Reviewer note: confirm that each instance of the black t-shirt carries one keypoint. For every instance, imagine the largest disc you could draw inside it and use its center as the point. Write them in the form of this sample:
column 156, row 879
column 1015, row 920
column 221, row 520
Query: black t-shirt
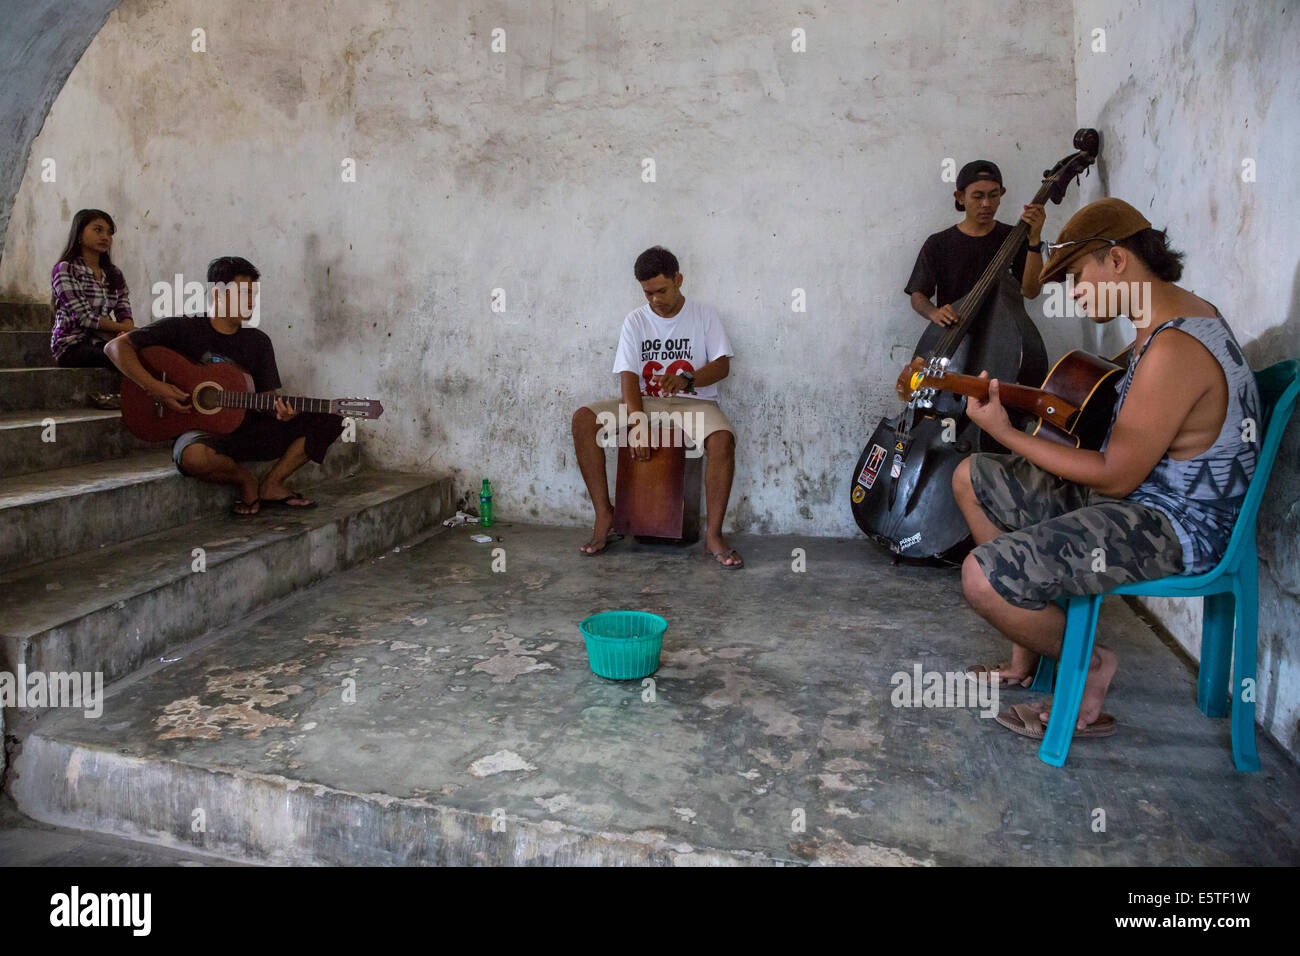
column 952, row 262
column 194, row 337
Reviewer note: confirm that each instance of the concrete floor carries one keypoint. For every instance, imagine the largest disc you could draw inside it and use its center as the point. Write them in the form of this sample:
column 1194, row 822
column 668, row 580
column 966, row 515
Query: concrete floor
column 478, row 733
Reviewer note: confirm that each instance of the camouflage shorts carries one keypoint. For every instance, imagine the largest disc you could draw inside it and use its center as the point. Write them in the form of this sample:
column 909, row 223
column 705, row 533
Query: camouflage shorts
column 1063, row 539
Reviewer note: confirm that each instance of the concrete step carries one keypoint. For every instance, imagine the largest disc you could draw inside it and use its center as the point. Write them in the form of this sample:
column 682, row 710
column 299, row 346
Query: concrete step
column 80, row 436
column 52, row 388
column 50, row 514
column 27, row 842
column 111, row 609
column 25, row 349
column 26, row 317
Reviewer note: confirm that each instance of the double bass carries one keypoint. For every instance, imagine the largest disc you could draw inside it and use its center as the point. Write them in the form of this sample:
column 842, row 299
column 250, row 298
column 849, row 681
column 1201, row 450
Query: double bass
column 901, row 487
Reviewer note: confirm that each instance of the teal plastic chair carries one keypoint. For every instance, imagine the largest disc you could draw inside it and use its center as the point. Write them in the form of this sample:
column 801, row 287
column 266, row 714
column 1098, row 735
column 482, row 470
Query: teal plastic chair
column 1230, row 594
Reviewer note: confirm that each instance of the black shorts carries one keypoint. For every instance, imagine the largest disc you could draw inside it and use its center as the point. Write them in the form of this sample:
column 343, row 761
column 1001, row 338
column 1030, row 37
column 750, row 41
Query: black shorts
column 262, row 437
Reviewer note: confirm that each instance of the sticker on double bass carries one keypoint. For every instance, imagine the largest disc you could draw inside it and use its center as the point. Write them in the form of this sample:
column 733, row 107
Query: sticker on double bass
column 897, row 468
column 859, row 493
column 867, row 478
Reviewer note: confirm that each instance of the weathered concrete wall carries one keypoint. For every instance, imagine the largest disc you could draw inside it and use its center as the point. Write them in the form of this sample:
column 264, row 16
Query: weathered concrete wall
column 1185, row 101
column 522, row 171
column 39, row 46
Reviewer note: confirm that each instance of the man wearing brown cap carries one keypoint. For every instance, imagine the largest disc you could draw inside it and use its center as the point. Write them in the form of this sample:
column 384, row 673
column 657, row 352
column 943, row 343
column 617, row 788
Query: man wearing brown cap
column 1159, row 498
column 951, row 261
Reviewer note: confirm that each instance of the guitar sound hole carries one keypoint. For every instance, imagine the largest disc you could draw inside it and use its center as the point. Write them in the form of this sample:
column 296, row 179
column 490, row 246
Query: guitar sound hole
column 205, row 398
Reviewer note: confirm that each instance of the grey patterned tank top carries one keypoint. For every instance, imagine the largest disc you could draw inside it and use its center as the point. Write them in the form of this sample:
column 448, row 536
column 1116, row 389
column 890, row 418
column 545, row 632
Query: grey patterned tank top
column 1203, row 495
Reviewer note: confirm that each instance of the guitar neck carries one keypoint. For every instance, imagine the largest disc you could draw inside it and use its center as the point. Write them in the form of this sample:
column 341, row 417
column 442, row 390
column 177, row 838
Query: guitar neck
column 265, row 401
column 1043, row 404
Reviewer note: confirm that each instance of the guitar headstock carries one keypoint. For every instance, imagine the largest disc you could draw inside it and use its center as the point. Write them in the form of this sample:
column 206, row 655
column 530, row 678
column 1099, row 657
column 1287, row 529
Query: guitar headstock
column 912, row 384
column 367, row 408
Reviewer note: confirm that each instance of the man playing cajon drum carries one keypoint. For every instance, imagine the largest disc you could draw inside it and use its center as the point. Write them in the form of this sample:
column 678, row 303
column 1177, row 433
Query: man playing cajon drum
column 671, row 355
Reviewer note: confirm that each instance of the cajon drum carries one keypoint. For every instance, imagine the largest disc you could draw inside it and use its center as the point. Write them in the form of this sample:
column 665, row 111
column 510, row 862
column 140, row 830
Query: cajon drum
column 659, row 498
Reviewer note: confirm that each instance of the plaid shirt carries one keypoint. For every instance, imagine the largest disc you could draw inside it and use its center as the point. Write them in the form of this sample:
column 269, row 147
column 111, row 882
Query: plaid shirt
column 80, row 300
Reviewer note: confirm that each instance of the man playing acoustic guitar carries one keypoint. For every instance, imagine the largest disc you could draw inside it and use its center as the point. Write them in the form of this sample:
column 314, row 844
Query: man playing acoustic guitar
column 1159, row 498
column 292, row 437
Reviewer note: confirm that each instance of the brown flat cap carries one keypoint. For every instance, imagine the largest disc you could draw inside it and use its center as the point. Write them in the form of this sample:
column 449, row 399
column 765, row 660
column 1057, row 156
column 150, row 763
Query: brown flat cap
column 1104, row 219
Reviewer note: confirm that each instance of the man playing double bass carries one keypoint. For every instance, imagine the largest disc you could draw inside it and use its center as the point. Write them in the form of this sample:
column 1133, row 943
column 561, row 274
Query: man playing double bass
column 983, row 266
column 951, row 261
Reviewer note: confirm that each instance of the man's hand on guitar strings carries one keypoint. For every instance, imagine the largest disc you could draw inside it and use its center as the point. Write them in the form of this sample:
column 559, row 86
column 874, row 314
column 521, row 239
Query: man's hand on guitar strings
column 283, row 410
column 171, row 396
column 989, row 415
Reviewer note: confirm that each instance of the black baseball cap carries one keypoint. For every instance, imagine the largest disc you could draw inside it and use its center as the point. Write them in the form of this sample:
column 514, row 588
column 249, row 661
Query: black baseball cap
column 973, row 172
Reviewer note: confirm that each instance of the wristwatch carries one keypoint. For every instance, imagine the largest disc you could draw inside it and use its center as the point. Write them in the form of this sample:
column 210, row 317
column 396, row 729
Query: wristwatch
column 690, row 380
column 1036, row 247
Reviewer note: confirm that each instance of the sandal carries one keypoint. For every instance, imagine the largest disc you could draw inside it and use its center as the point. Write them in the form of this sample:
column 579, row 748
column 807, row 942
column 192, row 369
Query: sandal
column 250, row 508
column 1006, row 683
column 291, row 496
column 739, row 562
column 1023, row 720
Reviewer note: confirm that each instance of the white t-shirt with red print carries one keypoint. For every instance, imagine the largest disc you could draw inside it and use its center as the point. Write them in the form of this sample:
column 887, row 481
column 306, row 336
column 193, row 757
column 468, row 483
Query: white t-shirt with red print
column 651, row 345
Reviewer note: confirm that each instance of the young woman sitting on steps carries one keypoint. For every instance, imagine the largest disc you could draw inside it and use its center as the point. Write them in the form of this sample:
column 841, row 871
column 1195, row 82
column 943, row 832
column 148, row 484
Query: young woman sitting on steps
column 90, row 298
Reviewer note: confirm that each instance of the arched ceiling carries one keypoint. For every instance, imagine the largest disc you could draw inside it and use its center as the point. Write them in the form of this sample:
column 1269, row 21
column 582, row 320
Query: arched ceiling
column 40, row 42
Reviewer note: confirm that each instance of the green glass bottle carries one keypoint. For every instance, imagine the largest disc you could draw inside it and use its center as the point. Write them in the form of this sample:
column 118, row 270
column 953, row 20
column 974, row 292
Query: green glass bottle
column 485, row 505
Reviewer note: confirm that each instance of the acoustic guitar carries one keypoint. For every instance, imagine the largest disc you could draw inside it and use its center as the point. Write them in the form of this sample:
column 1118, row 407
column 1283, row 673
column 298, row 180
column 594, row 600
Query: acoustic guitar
column 1073, row 407
column 220, row 394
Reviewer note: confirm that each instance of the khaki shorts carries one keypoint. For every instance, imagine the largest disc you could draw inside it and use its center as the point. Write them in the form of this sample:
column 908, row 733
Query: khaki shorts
column 697, row 417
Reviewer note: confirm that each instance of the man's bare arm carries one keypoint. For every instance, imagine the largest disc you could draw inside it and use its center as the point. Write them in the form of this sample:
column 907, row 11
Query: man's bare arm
column 122, row 353
column 630, row 385
column 714, row 371
column 1030, row 287
column 923, row 307
column 1158, row 403
column 1034, row 216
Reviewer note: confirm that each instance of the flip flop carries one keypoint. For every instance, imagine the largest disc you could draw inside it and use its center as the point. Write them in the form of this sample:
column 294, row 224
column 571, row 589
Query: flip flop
column 1023, row 720
column 1005, row 683
column 255, row 504
column 283, row 502
column 740, row 563
column 609, row 539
